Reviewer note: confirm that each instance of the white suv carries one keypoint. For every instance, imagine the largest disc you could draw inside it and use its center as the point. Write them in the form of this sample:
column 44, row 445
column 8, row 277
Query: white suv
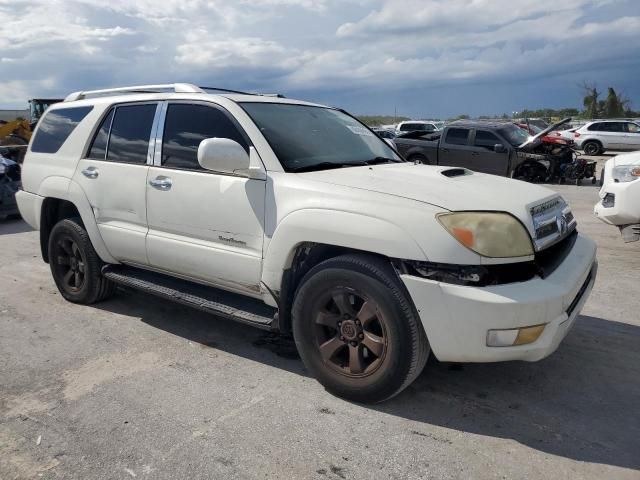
column 295, row 217
column 418, row 125
column 601, row 135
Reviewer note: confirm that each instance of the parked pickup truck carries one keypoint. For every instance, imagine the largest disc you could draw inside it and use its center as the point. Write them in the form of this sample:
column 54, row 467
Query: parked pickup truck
column 498, row 148
column 296, row 218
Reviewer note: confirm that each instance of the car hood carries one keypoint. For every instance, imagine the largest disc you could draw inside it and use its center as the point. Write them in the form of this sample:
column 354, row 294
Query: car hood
column 545, row 132
column 437, row 186
column 623, row 159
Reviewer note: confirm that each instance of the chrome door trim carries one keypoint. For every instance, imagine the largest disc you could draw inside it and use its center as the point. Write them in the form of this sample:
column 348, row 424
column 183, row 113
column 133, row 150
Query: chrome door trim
column 154, row 132
column 157, row 134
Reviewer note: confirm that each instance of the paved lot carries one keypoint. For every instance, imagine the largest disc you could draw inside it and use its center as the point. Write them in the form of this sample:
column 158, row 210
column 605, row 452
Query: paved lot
column 137, row 387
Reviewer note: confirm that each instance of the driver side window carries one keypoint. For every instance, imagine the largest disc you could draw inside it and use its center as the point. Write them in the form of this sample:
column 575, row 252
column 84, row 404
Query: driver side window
column 187, row 125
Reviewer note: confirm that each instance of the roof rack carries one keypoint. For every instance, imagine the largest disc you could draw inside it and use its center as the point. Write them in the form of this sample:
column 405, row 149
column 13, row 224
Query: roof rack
column 226, row 90
column 176, row 87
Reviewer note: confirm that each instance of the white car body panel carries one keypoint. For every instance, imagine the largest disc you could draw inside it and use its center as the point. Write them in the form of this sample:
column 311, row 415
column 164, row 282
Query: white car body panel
column 240, row 234
column 626, row 210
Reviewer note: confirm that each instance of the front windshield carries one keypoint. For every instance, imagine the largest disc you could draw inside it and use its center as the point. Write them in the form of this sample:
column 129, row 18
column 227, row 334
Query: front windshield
column 515, row 135
column 304, row 136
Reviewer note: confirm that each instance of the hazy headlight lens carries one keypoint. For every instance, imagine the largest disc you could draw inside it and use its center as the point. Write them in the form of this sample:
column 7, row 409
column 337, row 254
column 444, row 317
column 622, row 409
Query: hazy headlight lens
column 626, row 173
column 489, row 234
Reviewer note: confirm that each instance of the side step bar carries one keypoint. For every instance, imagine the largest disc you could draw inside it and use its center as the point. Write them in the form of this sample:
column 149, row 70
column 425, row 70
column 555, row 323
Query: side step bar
column 209, row 299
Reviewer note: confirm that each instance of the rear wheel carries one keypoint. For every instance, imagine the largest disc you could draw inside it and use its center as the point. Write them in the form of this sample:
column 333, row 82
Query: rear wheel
column 356, row 329
column 592, row 148
column 75, row 265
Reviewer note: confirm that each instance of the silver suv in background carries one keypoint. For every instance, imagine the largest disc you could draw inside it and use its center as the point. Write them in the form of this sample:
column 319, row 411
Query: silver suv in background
column 597, row 136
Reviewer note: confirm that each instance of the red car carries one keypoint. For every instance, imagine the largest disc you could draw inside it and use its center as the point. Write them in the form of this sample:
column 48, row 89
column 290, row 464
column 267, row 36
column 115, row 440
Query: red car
column 549, row 138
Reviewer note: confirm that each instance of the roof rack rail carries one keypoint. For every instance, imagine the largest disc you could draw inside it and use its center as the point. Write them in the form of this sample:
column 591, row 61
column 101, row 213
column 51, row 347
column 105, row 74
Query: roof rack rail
column 226, row 90
column 176, row 87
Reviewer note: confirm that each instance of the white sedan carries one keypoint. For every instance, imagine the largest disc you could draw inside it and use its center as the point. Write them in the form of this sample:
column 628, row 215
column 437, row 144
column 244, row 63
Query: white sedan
column 620, row 195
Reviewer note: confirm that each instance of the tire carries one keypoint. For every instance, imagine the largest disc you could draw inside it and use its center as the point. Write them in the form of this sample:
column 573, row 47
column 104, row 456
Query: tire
column 601, row 177
column 356, row 329
column 419, row 159
column 75, row 265
column 592, row 148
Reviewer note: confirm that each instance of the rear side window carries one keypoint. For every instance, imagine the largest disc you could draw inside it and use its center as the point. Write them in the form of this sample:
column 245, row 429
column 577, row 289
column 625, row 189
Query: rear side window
column 457, row 136
column 485, row 139
column 55, row 128
column 98, row 150
column 633, row 128
column 186, row 126
column 595, row 127
column 130, row 133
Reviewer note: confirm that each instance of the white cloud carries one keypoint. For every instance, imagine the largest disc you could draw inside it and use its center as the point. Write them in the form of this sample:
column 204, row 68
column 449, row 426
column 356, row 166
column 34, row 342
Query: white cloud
column 305, row 44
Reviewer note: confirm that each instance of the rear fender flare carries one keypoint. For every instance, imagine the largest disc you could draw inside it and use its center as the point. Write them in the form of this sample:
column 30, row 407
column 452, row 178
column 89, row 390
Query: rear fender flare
column 77, row 196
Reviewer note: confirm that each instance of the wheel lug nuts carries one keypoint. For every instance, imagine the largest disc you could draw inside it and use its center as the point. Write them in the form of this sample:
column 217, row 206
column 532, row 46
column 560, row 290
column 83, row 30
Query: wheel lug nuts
column 341, row 338
column 353, row 344
column 347, row 316
column 361, row 336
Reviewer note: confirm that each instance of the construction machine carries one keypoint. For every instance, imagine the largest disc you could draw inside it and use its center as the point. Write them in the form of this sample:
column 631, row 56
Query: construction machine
column 15, row 135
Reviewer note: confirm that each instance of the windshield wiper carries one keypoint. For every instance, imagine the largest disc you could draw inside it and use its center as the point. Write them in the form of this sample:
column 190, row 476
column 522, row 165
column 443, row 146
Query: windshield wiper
column 326, row 166
column 378, row 160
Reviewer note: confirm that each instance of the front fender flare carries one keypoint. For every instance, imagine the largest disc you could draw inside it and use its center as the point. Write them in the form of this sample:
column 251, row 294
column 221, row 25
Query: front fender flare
column 337, row 228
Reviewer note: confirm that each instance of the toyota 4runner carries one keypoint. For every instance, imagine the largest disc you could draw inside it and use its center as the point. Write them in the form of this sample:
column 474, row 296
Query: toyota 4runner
column 297, row 218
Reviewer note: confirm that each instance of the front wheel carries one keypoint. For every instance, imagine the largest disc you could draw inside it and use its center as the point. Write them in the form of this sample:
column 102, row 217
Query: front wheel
column 356, row 329
column 75, row 265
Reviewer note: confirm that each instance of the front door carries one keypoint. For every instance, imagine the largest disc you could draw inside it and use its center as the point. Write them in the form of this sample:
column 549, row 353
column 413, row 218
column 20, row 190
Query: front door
column 203, row 225
column 485, row 158
column 113, row 176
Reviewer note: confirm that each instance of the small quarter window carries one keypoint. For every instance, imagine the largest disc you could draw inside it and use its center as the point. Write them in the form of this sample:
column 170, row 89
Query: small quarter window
column 130, row 133
column 56, row 126
column 98, row 150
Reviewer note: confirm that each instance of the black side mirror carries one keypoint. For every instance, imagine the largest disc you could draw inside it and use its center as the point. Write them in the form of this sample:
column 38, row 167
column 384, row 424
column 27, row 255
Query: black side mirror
column 499, row 148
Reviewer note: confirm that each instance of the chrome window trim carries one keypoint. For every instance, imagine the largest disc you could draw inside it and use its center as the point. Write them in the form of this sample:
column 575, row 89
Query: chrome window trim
column 155, row 141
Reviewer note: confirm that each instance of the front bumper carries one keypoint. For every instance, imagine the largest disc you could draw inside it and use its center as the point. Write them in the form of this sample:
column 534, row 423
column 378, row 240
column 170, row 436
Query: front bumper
column 8, row 190
column 457, row 318
column 626, row 208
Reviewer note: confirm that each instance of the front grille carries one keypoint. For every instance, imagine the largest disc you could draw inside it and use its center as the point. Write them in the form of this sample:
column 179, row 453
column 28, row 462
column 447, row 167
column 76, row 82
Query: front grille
column 550, row 258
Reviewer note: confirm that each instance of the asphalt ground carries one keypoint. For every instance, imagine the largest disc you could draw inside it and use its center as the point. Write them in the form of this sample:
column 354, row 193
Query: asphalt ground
column 137, row 387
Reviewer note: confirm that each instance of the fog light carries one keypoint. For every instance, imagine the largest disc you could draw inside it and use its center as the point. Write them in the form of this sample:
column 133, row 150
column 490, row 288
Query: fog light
column 609, row 200
column 515, row 336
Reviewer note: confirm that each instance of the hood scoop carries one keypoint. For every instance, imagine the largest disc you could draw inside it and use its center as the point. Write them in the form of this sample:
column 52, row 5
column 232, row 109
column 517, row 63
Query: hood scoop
column 455, row 172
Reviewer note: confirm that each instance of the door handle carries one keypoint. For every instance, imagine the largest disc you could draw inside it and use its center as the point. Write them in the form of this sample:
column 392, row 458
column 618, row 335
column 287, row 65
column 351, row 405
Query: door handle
column 161, row 183
column 445, row 150
column 90, row 172
column 475, row 154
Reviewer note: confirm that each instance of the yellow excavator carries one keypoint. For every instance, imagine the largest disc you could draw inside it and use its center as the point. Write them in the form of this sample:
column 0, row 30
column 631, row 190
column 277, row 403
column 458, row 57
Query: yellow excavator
column 15, row 135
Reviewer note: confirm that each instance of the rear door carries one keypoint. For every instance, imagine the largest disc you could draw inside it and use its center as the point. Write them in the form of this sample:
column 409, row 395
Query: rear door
column 485, row 159
column 455, row 150
column 113, row 176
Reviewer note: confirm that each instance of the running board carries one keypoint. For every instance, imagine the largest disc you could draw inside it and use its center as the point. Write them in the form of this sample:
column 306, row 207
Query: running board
column 236, row 307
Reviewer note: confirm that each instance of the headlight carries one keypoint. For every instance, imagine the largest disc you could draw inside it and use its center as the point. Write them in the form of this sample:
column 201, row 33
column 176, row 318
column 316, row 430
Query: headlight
column 489, row 234
column 626, row 173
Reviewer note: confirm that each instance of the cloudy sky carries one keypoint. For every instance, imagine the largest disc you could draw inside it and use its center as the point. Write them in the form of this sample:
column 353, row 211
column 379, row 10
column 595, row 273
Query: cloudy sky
column 425, row 58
